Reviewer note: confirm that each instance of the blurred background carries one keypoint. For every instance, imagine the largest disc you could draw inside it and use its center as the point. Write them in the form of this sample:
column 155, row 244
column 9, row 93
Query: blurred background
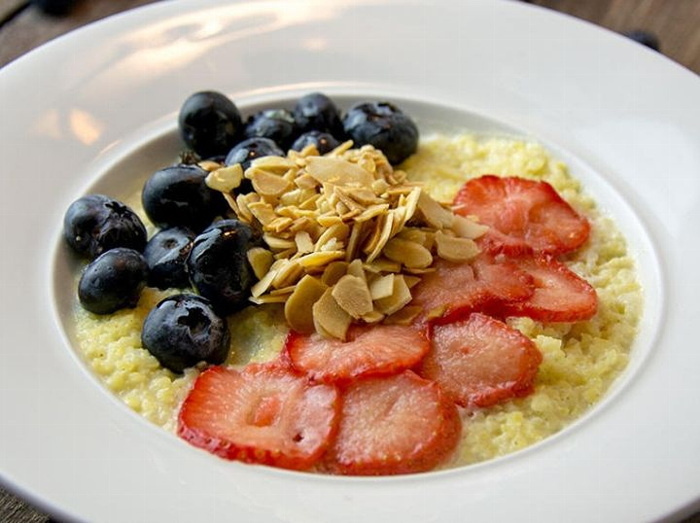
column 671, row 27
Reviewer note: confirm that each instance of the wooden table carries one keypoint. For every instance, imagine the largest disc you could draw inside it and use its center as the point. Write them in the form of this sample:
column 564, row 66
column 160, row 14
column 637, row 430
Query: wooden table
column 676, row 23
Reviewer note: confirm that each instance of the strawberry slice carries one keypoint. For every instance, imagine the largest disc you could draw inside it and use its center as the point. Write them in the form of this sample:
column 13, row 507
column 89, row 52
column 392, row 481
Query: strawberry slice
column 370, row 350
column 481, row 361
column 525, row 216
column 393, row 425
column 263, row 414
column 455, row 290
column 560, row 294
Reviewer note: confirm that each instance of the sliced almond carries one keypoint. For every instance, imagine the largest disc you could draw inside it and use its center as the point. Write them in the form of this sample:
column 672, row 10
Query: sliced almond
column 339, row 231
column 278, row 244
column 405, row 316
column 305, row 181
column 383, row 237
column 434, row 213
column 372, row 211
column 455, row 249
column 413, row 255
column 338, row 172
column 261, row 287
column 400, row 297
column 289, row 272
column 333, row 272
column 260, row 260
column 269, row 184
column 466, row 228
column 225, row 179
column 263, row 212
column 268, row 298
column 411, row 281
column 355, row 268
column 329, row 221
column 373, row 317
column 352, row 294
column 383, row 265
column 209, row 166
column 298, row 310
column 330, row 317
column 278, row 164
column 382, row 287
column 304, row 243
column 321, row 258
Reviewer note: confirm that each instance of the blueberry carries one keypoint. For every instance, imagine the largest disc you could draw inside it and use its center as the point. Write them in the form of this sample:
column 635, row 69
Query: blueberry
column 179, row 197
column 645, row 38
column 183, row 330
column 218, row 264
column 95, row 223
column 210, row 123
column 113, row 281
column 248, row 150
column 276, row 124
column 166, row 254
column 324, row 142
column 384, row 126
column 317, row 112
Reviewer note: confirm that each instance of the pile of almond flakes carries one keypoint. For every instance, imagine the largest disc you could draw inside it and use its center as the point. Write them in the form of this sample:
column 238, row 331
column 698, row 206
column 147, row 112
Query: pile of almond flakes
column 347, row 235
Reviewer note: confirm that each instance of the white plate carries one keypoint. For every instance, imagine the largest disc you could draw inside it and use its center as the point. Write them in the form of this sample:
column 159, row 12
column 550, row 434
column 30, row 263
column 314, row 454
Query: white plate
column 625, row 118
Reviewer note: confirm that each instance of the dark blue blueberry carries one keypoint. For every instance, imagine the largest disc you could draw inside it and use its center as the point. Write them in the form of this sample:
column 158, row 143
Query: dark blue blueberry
column 183, row 330
column 95, row 223
column 384, row 126
column 645, row 38
column 113, row 281
column 317, row 112
column 179, row 197
column 210, row 123
column 276, row 124
column 166, row 254
column 324, row 142
column 218, row 264
column 250, row 149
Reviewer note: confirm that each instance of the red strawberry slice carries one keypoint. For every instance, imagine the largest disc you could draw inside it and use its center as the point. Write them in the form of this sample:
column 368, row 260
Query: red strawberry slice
column 560, row 294
column 481, row 361
column 455, row 290
column 370, row 350
column 393, row 425
column 263, row 414
column 525, row 216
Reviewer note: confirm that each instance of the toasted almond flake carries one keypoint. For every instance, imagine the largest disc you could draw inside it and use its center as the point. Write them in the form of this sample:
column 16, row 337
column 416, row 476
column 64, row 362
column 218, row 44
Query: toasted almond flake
column 329, row 317
column 383, row 237
column 268, row 298
column 292, row 197
column 405, row 316
column 383, row 265
column 355, row 268
column 233, row 205
column 379, row 186
column 411, row 281
column 434, row 213
column 225, row 179
column 269, row 184
column 345, row 146
column 306, row 181
column 261, row 287
column 287, row 253
column 304, row 243
column 353, row 241
column 310, row 150
column 321, row 258
column 466, row 228
column 349, row 202
column 382, row 287
column 339, row 231
column 278, row 164
column 338, row 172
column 278, row 244
column 288, row 273
column 333, row 272
column 413, row 255
column 303, row 223
column 365, row 197
column 372, row 212
column 400, row 297
column 279, row 224
column 397, row 221
column 420, row 271
column 332, row 245
column 209, row 166
column 310, row 203
column 412, row 203
column 455, row 249
column 298, row 310
column 260, row 260
column 352, row 295
column 413, row 235
column 243, row 211
column 373, row 317
column 283, row 291
column 328, row 221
